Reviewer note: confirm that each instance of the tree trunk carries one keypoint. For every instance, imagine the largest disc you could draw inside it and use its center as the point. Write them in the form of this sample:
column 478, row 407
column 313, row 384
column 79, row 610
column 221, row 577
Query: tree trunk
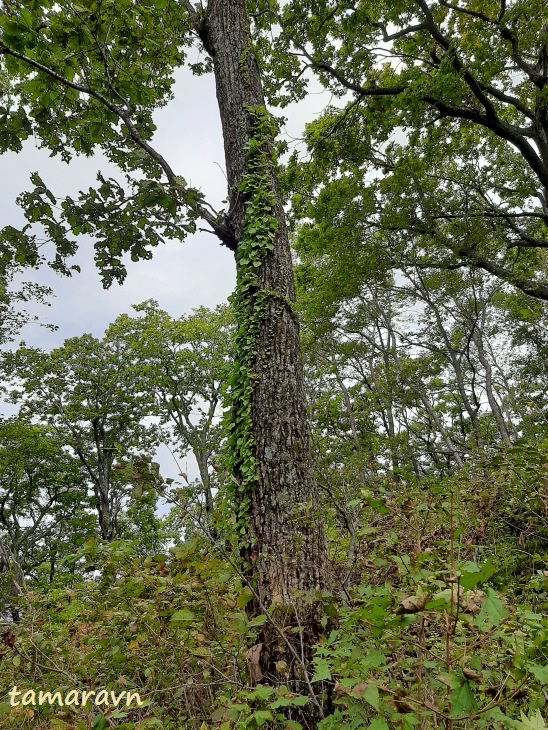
column 284, row 549
column 104, row 512
column 202, row 459
column 489, row 389
column 10, row 563
column 100, row 477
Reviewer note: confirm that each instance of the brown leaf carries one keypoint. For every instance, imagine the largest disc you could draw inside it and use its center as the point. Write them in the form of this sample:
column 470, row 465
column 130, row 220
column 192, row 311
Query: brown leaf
column 8, row 637
column 402, row 706
column 471, row 602
column 413, row 604
column 341, row 690
column 253, row 656
column 360, row 689
column 471, row 674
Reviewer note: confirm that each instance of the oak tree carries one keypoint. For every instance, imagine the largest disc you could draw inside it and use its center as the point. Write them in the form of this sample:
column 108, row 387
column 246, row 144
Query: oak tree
column 88, row 75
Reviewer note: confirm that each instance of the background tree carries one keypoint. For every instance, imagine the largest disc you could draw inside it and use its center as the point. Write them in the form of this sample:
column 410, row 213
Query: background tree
column 419, row 366
column 79, row 390
column 41, row 488
column 183, row 366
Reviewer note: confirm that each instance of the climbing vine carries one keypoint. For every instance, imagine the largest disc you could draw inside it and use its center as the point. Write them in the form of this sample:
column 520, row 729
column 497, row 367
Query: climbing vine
column 249, row 302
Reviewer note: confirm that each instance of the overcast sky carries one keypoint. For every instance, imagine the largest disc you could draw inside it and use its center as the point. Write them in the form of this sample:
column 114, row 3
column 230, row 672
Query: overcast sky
column 181, row 276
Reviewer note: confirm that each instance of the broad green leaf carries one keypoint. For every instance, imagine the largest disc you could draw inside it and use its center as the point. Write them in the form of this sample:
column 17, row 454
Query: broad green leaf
column 371, row 695
column 262, row 716
column 378, row 724
column 472, row 578
column 540, row 673
column 492, row 611
column 534, row 722
column 183, row 615
column 244, row 598
column 462, row 698
column 410, row 721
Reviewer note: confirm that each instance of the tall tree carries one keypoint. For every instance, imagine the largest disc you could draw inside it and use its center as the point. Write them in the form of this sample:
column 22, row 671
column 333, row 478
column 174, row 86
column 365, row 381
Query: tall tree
column 108, row 65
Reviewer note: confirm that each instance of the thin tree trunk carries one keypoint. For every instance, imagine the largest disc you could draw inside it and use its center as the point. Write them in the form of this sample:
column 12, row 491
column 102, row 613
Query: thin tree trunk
column 10, row 563
column 202, row 459
column 495, row 408
column 101, row 484
column 454, row 358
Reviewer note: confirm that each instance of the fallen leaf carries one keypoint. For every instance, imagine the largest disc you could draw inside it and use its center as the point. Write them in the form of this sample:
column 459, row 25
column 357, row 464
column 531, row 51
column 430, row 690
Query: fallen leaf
column 413, row 604
column 471, row 674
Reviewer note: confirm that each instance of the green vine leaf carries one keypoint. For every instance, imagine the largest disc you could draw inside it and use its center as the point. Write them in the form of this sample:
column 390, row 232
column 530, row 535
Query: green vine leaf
column 462, row 698
column 492, row 611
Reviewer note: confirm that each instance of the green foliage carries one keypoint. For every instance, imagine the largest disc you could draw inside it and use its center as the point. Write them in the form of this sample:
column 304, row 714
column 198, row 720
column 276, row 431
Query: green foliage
column 419, row 637
column 427, row 381
column 14, row 256
column 428, row 160
column 120, row 51
column 424, row 637
column 44, row 512
column 162, row 627
column 535, row 722
column 181, row 366
column 83, row 392
column 79, row 77
column 249, row 305
column 517, row 483
column 441, row 612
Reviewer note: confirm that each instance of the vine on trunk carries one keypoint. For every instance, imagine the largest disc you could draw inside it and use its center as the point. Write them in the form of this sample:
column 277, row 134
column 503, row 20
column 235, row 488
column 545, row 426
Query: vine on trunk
column 249, row 302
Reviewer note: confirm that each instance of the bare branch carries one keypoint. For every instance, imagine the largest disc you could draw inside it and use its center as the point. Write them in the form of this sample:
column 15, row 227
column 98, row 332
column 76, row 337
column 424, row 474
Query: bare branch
column 399, row 33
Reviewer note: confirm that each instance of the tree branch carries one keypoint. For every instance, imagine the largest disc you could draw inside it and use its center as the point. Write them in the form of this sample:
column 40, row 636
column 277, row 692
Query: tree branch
column 528, row 286
column 399, row 33
column 507, row 99
column 509, row 35
column 465, row 11
column 489, row 119
column 221, row 230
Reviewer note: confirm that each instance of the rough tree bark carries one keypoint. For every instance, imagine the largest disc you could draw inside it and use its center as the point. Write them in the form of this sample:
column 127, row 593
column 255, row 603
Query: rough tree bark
column 286, row 555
